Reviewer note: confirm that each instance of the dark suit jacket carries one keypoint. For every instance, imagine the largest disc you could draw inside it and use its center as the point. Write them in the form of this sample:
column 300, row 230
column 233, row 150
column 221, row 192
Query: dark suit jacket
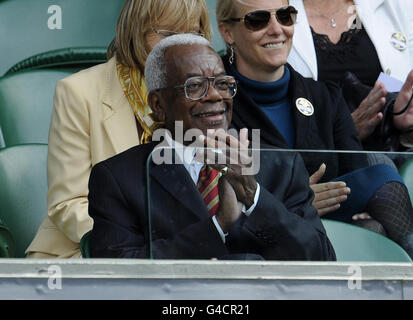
column 283, row 226
column 329, row 128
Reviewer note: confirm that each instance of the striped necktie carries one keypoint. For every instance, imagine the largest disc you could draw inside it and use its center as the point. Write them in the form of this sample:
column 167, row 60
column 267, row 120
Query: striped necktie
column 208, row 187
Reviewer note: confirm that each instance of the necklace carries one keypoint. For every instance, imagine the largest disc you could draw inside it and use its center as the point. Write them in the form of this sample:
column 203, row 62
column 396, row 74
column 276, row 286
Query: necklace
column 332, row 20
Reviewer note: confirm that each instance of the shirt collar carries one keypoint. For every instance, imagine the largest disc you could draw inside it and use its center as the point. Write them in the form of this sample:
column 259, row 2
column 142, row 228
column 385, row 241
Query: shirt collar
column 185, row 154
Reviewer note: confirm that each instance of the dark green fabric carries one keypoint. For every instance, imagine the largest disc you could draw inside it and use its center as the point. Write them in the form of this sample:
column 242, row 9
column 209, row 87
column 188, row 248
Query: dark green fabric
column 25, row 29
column 353, row 243
column 406, row 172
column 26, row 103
column 2, row 144
column 81, row 57
column 7, row 245
column 85, row 245
column 23, row 192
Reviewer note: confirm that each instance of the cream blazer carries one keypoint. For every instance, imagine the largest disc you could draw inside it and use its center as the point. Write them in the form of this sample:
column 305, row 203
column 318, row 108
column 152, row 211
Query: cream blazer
column 91, row 121
column 381, row 18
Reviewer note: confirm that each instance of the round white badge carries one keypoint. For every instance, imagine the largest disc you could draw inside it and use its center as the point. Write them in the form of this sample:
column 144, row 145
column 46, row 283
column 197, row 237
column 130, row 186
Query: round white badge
column 399, row 41
column 305, row 107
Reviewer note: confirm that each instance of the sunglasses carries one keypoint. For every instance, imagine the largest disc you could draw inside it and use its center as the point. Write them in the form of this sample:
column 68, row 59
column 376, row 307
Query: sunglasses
column 257, row 20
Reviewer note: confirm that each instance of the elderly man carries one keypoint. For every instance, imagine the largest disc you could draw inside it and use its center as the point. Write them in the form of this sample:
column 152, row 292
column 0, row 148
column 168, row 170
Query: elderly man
column 197, row 212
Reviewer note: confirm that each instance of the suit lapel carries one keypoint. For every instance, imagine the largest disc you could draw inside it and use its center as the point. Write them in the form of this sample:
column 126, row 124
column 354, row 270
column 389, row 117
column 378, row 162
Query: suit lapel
column 243, row 108
column 176, row 180
column 302, row 123
column 118, row 118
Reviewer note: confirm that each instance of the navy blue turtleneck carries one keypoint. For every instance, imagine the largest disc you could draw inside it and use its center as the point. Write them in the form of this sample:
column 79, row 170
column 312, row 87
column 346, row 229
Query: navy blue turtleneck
column 272, row 98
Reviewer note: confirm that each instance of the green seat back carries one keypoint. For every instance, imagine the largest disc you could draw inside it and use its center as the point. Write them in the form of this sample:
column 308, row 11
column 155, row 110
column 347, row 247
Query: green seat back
column 26, row 103
column 7, row 245
column 23, row 191
column 26, row 26
column 85, row 245
column 353, row 243
column 217, row 41
column 406, row 172
column 73, row 58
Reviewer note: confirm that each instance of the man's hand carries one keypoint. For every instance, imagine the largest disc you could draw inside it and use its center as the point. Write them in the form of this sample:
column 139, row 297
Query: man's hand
column 327, row 196
column 230, row 208
column 368, row 115
column 235, row 189
column 404, row 122
column 236, row 158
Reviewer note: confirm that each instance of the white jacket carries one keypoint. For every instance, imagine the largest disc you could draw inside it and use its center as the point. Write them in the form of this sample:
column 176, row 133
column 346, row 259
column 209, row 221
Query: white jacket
column 381, row 18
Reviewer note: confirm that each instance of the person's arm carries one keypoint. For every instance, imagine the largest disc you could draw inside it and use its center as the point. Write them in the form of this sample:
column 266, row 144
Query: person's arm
column 403, row 106
column 288, row 228
column 346, row 136
column 283, row 225
column 327, row 195
column 369, row 113
column 69, row 162
column 121, row 232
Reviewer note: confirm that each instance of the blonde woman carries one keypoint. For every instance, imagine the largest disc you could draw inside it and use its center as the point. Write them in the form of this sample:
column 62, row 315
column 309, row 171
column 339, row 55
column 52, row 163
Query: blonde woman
column 300, row 113
column 102, row 111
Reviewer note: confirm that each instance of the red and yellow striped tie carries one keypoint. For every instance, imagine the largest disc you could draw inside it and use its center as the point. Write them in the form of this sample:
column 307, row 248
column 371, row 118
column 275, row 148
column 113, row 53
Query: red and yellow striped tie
column 208, row 187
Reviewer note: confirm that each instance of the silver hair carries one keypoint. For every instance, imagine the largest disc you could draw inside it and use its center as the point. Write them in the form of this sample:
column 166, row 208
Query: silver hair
column 155, row 69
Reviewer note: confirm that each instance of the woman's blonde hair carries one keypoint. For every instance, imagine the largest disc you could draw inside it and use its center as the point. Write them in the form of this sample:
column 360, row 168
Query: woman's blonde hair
column 139, row 16
column 225, row 10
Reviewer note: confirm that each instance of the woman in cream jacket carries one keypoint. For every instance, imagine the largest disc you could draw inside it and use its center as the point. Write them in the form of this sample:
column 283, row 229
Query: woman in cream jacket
column 102, row 111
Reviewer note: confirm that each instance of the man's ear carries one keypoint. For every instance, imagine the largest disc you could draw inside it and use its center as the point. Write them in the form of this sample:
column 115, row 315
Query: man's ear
column 158, row 108
column 226, row 32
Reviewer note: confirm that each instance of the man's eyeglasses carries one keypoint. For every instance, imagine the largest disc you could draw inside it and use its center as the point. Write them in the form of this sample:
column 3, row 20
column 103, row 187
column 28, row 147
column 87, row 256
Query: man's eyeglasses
column 168, row 33
column 257, row 20
column 196, row 88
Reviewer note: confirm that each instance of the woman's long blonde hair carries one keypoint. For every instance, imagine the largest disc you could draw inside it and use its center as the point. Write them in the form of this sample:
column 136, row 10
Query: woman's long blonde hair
column 139, row 16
